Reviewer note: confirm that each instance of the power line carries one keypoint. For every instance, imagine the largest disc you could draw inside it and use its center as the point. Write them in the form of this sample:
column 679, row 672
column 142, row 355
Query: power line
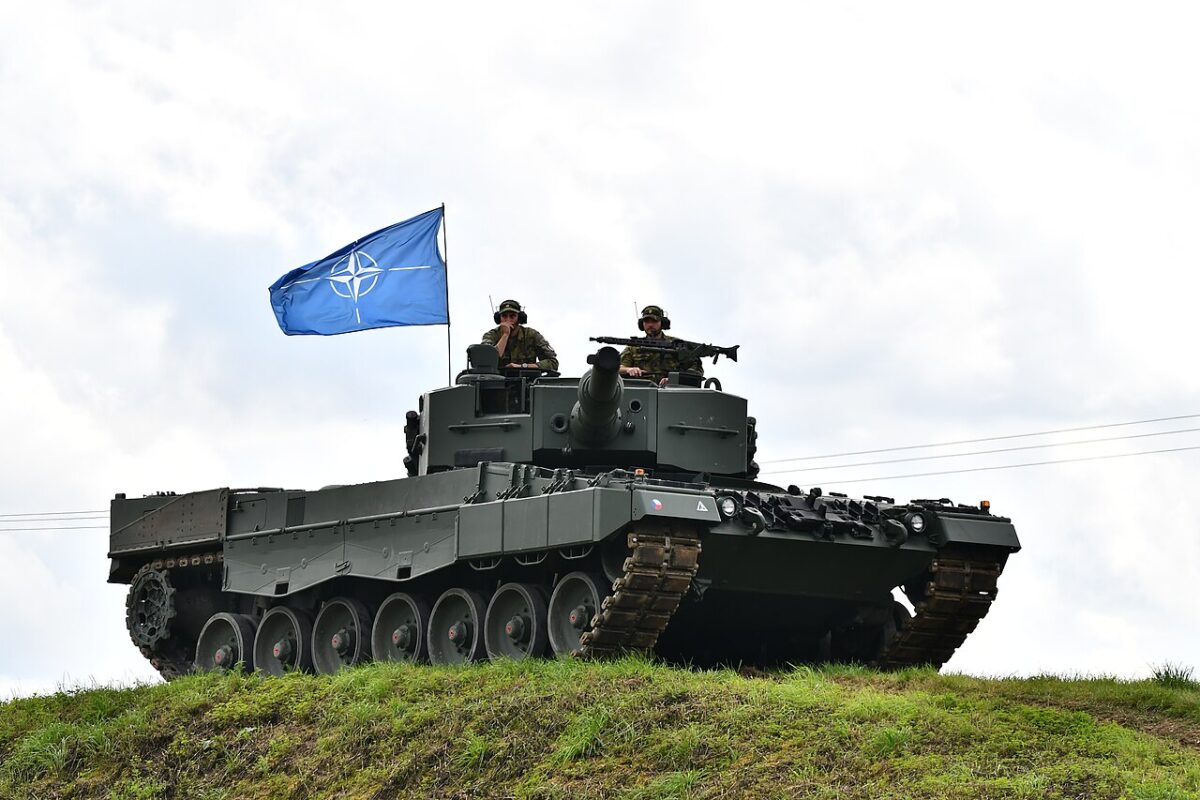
column 22, row 520
column 984, row 439
column 983, row 452
column 58, row 528
column 55, row 513
column 1009, row 466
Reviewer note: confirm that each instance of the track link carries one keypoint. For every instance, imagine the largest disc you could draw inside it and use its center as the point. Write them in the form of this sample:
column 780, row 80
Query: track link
column 657, row 573
column 959, row 593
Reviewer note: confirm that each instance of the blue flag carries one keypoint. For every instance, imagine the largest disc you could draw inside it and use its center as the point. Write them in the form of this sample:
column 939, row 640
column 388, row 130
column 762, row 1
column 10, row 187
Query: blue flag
column 395, row 276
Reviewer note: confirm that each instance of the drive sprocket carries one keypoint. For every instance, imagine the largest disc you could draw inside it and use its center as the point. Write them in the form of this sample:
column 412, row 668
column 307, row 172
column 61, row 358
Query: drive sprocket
column 150, row 607
column 149, row 610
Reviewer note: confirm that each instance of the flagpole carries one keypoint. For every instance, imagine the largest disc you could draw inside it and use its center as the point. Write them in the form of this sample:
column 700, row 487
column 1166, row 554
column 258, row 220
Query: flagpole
column 446, row 256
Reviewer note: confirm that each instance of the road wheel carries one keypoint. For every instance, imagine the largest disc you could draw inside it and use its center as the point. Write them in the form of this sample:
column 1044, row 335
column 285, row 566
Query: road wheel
column 340, row 635
column 576, row 599
column 515, row 625
column 226, row 641
column 283, row 642
column 399, row 632
column 455, row 633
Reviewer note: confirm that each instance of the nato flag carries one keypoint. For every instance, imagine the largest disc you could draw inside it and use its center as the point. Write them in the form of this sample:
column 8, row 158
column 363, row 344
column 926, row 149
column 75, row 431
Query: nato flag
column 395, row 276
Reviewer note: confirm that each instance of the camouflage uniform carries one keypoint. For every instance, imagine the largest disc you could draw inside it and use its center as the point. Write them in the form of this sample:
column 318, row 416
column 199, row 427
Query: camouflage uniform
column 525, row 346
column 655, row 364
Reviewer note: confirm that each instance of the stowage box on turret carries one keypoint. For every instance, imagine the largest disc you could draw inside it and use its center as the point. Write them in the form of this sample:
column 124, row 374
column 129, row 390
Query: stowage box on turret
column 545, row 515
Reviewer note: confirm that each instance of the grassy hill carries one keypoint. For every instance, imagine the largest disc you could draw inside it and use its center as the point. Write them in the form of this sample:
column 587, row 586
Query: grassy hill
column 625, row 729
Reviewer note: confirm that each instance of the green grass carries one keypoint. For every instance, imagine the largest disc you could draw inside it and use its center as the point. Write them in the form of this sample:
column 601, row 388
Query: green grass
column 1176, row 676
column 631, row 728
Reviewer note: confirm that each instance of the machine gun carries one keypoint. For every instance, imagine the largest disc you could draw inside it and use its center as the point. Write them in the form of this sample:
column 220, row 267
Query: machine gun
column 681, row 347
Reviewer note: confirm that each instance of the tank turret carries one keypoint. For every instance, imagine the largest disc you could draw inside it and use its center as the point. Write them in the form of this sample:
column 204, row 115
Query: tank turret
column 596, row 417
column 601, row 420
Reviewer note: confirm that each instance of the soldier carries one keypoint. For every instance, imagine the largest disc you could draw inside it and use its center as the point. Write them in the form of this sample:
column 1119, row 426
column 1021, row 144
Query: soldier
column 519, row 347
column 637, row 362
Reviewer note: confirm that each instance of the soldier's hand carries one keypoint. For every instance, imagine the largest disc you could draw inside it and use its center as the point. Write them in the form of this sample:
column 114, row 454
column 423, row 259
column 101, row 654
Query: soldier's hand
column 634, row 372
column 662, row 382
column 522, row 366
column 506, row 327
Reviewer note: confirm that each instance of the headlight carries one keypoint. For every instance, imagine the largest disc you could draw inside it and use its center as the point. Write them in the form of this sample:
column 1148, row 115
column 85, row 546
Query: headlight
column 916, row 522
column 728, row 507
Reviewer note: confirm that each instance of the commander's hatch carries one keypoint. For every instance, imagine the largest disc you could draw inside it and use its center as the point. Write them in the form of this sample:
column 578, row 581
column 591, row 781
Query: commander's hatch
column 496, row 392
column 483, row 417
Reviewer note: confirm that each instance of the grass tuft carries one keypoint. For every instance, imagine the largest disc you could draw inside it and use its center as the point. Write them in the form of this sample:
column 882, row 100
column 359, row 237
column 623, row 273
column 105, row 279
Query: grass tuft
column 474, row 751
column 583, row 735
column 673, row 785
column 889, row 742
column 1175, row 676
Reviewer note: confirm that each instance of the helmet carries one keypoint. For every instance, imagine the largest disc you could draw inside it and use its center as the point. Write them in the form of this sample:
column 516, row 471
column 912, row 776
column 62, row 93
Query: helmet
column 511, row 305
column 654, row 312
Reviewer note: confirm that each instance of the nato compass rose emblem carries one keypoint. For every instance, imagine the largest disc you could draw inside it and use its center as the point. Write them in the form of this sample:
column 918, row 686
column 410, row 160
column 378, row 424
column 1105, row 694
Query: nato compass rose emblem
column 355, row 277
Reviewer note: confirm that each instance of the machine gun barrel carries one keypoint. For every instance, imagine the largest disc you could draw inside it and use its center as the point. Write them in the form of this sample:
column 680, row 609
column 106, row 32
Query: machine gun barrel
column 596, row 417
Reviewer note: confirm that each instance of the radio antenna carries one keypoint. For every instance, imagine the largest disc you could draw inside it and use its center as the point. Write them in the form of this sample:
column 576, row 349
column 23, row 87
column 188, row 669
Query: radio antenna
column 492, row 303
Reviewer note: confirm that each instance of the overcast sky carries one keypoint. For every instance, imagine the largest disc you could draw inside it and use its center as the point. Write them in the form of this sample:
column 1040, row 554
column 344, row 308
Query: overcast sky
column 922, row 223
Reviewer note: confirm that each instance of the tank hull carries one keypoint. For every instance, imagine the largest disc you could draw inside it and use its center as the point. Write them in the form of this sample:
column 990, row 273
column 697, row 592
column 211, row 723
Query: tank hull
column 704, row 571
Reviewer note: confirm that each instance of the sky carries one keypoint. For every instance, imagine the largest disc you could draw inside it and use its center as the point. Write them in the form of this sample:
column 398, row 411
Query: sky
column 922, row 223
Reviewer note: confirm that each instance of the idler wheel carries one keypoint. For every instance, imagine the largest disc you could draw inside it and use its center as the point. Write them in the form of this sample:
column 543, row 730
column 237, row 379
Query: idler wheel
column 455, row 632
column 283, row 642
column 226, row 641
column 399, row 630
column 575, row 600
column 516, row 622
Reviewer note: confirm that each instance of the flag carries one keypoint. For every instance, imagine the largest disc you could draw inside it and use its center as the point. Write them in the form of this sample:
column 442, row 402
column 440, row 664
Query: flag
column 395, row 276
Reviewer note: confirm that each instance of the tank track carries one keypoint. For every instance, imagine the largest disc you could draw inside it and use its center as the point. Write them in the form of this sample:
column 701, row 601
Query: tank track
column 658, row 571
column 170, row 666
column 959, row 593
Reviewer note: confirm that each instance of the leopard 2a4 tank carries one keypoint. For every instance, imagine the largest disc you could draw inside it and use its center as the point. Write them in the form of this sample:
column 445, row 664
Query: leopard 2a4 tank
column 544, row 515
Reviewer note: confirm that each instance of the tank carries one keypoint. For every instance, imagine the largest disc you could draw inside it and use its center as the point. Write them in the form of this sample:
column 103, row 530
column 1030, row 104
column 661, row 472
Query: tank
column 544, row 516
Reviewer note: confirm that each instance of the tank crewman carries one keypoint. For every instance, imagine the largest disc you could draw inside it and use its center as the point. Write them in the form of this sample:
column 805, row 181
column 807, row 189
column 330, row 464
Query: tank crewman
column 520, row 347
column 638, row 362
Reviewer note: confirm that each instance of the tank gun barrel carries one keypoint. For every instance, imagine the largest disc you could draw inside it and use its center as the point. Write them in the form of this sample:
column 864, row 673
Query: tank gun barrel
column 596, row 417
